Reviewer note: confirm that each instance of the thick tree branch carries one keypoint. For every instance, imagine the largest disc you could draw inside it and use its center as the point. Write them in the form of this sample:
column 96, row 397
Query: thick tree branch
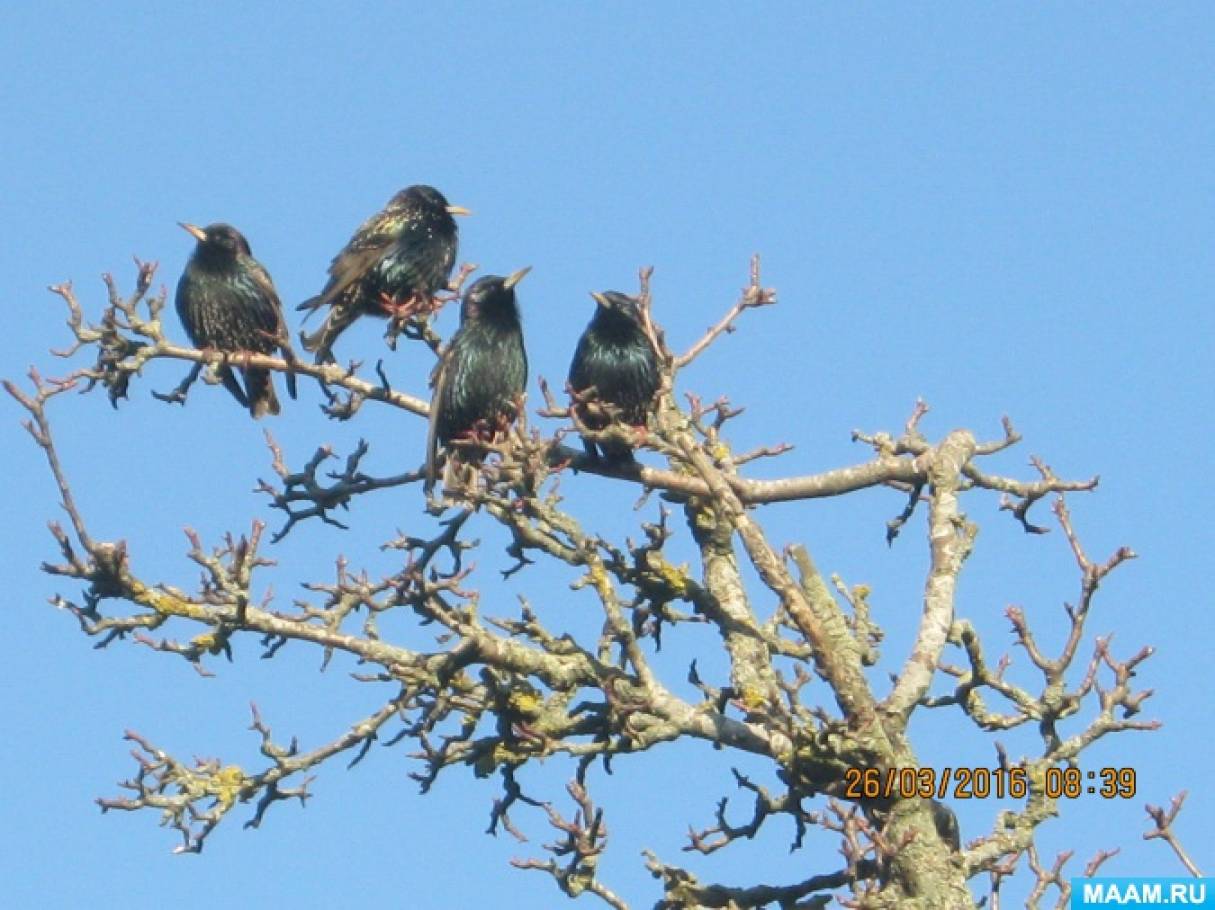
column 500, row 692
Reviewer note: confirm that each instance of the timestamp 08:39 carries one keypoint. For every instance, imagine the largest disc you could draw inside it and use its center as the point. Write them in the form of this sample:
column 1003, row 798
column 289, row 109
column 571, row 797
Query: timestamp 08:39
column 983, row 783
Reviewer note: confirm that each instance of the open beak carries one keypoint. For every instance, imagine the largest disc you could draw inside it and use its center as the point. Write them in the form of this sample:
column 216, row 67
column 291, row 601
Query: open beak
column 194, row 230
column 601, row 300
column 515, row 277
column 457, row 210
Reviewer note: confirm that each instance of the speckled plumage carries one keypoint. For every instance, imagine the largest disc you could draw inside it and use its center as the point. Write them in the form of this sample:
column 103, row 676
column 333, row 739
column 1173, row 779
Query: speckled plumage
column 483, row 371
column 227, row 302
column 406, row 250
column 616, row 358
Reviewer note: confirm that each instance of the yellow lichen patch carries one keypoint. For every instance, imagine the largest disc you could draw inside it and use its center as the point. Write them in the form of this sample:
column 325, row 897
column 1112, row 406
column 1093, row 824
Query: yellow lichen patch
column 504, row 753
column 165, row 604
column 525, row 702
column 599, row 577
column 805, row 754
column 500, row 755
column 226, row 784
column 753, row 698
column 674, row 578
column 578, row 882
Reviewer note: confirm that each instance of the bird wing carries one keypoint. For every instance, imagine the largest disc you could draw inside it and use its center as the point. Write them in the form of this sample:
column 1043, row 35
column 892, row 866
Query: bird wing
column 370, row 242
column 269, row 310
column 578, row 378
column 270, row 316
column 439, row 378
column 183, row 303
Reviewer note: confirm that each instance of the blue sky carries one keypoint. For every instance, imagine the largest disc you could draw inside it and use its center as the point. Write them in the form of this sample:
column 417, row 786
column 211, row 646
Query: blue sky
column 1001, row 210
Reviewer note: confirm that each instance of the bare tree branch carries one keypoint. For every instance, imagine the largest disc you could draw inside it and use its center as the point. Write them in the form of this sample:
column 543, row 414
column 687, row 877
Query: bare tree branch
column 504, row 688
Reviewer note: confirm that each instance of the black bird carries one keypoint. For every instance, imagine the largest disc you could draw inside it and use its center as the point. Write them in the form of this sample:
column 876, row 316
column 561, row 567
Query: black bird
column 397, row 259
column 614, row 356
column 227, row 302
column 483, row 370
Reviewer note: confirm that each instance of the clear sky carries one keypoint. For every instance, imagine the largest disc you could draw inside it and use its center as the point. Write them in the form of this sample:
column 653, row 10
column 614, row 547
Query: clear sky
column 999, row 209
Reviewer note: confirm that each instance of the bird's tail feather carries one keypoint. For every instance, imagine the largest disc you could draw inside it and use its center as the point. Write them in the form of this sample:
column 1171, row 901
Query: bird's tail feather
column 432, row 457
column 289, row 356
column 321, row 341
column 312, row 304
column 232, row 384
column 259, row 388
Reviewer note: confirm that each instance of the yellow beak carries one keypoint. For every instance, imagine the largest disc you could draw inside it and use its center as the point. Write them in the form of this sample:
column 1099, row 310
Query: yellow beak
column 457, row 210
column 515, row 277
column 195, row 231
column 601, row 300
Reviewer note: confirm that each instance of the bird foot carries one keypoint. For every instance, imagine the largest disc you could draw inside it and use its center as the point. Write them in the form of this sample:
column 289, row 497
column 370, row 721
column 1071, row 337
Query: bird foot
column 483, row 431
column 407, row 308
column 178, row 395
column 407, row 317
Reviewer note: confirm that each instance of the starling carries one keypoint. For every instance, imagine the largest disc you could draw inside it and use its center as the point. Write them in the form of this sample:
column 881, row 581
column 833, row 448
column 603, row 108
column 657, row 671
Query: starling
column 227, row 302
column 614, row 357
column 483, row 370
column 397, row 259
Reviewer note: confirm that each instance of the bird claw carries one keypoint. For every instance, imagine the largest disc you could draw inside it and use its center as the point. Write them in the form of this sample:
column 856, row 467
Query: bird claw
column 401, row 310
column 483, row 431
column 407, row 317
column 178, row 395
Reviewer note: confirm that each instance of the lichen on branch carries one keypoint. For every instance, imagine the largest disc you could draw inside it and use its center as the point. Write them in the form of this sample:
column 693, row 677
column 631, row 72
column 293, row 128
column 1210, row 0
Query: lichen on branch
column 506, row 688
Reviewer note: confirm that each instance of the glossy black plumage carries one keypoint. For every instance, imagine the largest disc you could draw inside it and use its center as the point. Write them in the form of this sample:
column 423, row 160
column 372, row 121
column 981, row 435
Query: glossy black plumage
column 404, row 252
column 615, row 357
column 482, row 373
column 227, row 302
